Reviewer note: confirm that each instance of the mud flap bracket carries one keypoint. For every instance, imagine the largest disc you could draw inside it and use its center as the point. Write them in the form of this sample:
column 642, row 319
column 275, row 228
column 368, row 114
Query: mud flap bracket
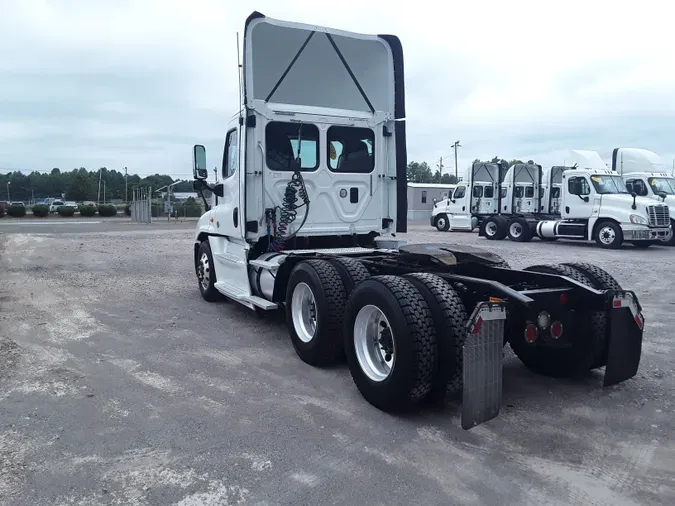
column 626, row 327
column 483, row 353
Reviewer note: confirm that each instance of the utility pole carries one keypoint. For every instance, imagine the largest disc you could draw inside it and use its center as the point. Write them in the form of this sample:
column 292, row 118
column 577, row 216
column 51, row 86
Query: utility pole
column 100, row 171
column 455, row 146
column 9, row 197
column 440, row 166
column 126, row 186
column 104, row 191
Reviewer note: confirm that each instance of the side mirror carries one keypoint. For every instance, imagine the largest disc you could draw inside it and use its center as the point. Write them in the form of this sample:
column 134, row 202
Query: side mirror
column 634, row 195
column 219, row 190
column 199, row 170
column 663, row 195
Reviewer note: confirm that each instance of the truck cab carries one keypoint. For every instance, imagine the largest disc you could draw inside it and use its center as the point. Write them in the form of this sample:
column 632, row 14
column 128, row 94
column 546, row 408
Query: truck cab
column 477, row 194
column 645, row 175
column 597, row 205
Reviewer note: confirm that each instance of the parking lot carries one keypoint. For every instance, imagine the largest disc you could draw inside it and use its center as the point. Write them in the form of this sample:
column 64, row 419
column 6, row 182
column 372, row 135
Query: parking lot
column 119, row 385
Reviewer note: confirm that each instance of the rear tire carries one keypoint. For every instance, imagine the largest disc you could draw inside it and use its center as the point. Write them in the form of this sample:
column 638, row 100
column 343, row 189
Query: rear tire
column 387, row 316
column 601, row 280
column 584, row 345
column 315, row 305
column 519, row 230
column 494, row 228
column 450, row 317
column 351, row 271
column 206, row 274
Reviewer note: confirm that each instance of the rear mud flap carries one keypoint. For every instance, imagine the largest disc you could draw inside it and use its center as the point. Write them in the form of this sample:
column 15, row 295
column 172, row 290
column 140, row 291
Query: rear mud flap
column 483, row 364
column 626, row 325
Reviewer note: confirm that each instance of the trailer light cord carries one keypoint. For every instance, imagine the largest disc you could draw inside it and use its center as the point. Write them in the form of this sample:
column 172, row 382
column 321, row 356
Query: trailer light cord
column 295, row 190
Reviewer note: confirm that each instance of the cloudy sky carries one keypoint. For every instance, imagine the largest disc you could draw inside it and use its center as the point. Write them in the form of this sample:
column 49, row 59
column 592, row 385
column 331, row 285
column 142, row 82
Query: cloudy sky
column 137, row 82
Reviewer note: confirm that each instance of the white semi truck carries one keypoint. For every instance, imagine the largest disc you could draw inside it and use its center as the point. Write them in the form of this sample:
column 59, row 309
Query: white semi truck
column 313, row 194
column 646, row 176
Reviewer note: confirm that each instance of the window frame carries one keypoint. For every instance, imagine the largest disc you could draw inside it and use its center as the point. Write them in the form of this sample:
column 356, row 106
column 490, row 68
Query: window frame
column 226, row 153
column 330, row 140
column 492, row 192
column 317, row 139
column 455, row 196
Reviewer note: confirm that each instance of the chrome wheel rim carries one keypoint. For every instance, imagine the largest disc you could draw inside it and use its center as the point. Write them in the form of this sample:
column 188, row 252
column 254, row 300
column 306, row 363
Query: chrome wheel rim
column 516, row 230
column 491, row 228
column 607, row 235
column 303, row 312
column 374, row 343
column 204, row 271
column 441, row 222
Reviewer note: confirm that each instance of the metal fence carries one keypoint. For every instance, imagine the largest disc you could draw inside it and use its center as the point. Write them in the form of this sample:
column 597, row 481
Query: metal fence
column 141, row 205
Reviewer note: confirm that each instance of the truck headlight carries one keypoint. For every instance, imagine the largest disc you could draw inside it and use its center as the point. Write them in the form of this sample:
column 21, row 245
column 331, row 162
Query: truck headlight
column 638, row 220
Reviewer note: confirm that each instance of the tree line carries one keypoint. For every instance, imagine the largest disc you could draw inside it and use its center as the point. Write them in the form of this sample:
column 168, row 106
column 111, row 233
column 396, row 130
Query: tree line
column 80, row 184
column 420, row 172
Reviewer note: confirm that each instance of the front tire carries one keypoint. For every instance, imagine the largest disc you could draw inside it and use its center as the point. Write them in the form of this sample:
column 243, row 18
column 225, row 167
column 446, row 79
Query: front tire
column 442, row 223
column 315, row 306
column 608, row 235
column 390, row 342
column 206, row 274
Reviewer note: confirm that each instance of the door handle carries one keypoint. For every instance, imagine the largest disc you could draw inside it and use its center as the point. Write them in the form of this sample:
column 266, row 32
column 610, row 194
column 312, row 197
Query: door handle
column 235, row 217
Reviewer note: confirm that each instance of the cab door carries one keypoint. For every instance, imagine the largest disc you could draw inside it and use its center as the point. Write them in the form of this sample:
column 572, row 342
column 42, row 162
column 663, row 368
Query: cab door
column 228, row 214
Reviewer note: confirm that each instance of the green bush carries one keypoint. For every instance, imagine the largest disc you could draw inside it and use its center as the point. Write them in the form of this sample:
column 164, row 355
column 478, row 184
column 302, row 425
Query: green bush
column 87, row 211
column 107, row 210
column 16, row 211
column 65, row 211
column 41, row 210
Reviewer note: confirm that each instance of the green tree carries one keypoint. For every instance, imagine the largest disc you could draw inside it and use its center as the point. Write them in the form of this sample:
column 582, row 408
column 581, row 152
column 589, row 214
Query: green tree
column 80, row 188
column 419, row 172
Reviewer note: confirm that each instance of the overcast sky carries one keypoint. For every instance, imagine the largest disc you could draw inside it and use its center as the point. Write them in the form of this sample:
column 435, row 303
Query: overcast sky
column 137, row 82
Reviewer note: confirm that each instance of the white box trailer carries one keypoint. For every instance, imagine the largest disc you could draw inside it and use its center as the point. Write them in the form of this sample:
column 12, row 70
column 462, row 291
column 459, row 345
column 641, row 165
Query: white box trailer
column 306, row 219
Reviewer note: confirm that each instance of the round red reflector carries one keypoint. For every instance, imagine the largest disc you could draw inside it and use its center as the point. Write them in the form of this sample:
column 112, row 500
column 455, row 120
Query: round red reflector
column 556, row 330
column 563, row 298
column 530, row 333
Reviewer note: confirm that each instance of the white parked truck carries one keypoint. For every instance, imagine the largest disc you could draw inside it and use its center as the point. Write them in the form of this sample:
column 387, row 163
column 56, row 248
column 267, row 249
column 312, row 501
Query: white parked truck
column 594, row 204
column 646, row 176
column 306, row 218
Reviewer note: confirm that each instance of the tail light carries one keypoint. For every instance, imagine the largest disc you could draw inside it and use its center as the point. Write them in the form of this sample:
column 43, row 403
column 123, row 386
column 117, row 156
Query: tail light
column 556, row 330
column 531, row 333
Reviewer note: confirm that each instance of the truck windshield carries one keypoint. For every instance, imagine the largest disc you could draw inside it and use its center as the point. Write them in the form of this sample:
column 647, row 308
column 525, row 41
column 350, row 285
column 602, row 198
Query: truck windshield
column 608, row 184
column 662, row 184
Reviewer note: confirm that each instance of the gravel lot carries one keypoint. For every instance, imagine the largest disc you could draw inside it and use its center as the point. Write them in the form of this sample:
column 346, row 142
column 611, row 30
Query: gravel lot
column 120, row 386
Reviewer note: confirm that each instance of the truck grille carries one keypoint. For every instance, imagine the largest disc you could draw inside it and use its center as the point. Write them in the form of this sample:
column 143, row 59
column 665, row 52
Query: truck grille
column 659, row 216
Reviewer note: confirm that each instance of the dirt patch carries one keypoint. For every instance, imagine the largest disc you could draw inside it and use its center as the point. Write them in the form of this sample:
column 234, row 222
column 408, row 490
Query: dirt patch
column 9, row 356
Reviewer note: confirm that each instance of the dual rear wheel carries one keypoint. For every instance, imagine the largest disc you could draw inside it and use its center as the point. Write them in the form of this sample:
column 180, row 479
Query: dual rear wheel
column 401, row 336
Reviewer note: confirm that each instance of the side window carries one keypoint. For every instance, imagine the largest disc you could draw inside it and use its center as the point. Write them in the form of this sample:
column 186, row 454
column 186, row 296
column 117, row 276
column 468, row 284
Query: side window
column 284, row 142
column 351, row 149
column 460, row 191
column 555, row 192
column 489, row 192
column 424, row 197
column 477, row 192
column 529, row 192
column 518, row 192
column 231, row 154
column 503, row 192
column 638, row 186
column 578, row 186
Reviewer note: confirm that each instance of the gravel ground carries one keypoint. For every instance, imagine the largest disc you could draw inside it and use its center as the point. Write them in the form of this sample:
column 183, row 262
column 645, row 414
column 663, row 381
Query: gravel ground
column 120, row 386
